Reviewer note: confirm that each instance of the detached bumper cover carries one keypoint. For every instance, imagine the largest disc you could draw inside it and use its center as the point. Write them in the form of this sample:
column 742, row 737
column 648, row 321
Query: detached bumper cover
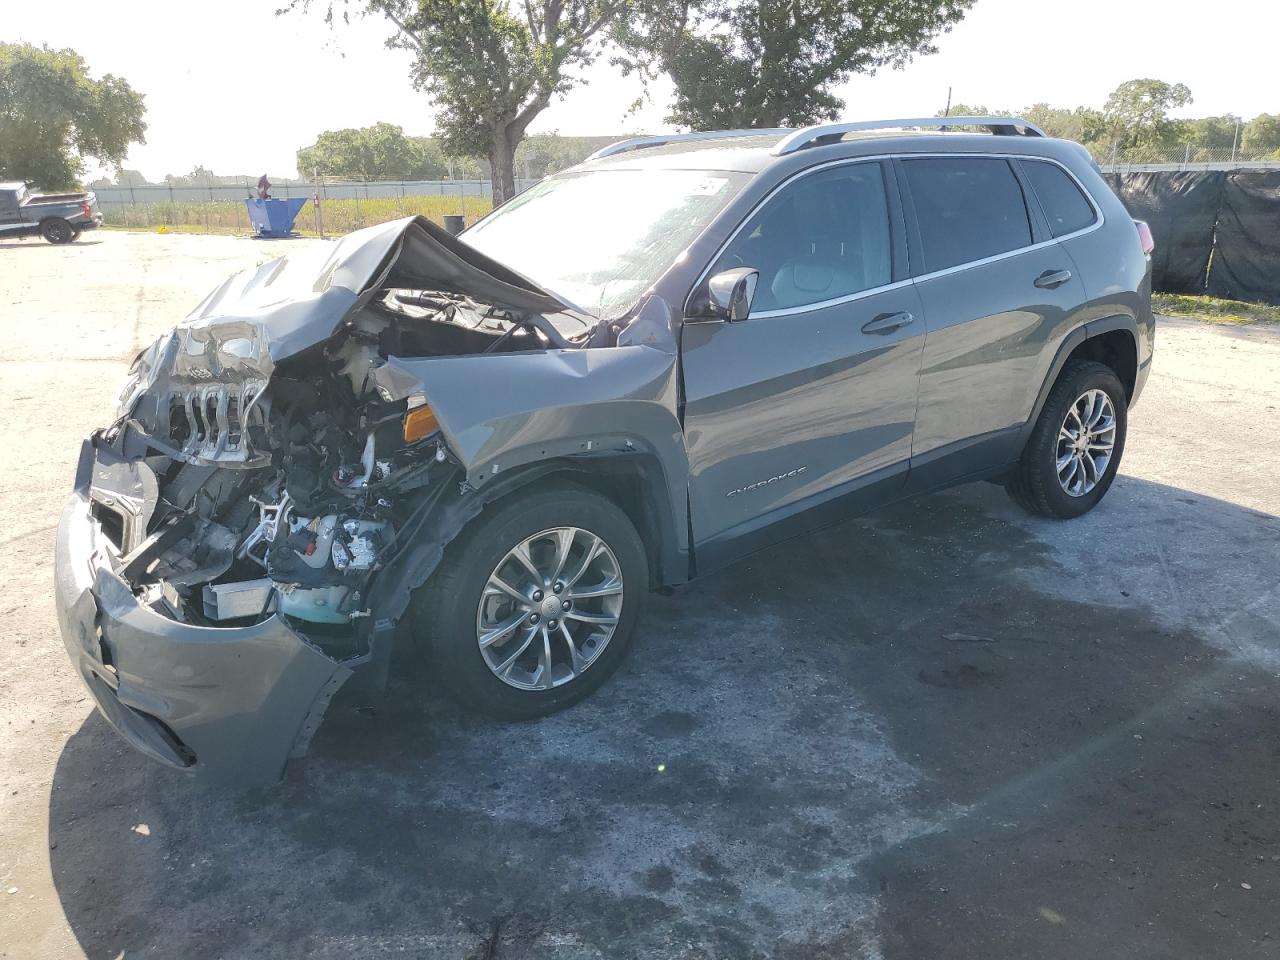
column 229, row 705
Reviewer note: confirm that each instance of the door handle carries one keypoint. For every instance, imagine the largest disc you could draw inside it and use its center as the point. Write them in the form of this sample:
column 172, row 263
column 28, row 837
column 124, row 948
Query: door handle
column 1051, row 279
column 887, row 322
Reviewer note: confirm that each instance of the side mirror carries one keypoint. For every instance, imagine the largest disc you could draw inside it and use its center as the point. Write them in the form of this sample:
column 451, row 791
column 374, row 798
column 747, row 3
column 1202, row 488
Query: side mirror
column 729, row 293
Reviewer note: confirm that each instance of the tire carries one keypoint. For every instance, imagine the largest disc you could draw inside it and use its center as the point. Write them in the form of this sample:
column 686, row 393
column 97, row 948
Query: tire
column 449, row 614
column 1035, row 483
column 57, row 230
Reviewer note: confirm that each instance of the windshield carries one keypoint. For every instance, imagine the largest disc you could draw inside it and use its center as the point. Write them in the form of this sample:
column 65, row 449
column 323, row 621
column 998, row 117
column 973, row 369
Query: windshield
column 600, row 238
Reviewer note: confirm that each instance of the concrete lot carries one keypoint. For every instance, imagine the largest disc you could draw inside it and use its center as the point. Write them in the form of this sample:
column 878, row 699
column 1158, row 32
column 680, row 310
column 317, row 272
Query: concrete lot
column 943, row 731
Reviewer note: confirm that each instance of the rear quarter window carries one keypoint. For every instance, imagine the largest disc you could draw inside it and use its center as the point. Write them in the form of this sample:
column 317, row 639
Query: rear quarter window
column 1064, row 206
column 967, row 208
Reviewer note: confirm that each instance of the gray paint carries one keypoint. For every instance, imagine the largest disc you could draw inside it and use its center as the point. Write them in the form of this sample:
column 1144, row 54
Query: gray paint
column 22, row 213
column 748, row 422
column 240, row 698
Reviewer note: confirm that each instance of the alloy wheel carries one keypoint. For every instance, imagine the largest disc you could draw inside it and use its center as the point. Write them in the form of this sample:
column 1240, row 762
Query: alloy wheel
column 549, row 608
column 1086, row 441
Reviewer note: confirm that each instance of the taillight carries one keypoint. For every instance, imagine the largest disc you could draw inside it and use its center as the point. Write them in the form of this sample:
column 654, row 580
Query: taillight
column 1144, row 236
column 84, row 205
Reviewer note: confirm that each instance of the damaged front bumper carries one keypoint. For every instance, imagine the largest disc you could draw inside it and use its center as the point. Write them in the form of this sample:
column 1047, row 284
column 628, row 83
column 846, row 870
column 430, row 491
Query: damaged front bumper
column 226, row 704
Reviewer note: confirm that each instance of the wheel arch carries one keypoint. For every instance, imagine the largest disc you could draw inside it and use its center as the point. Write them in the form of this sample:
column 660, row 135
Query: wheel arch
column 636, row 482
column 1112, row 341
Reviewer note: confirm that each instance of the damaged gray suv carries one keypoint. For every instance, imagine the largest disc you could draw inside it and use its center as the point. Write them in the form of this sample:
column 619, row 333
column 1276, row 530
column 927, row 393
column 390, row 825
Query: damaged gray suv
column 492, row 447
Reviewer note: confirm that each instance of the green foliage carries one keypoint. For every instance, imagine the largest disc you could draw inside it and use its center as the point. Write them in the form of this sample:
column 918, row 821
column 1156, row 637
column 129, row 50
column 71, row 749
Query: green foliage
column 769, row 63
column 1137, row 113
column 383, row 152
column 1211, row 133
column 966, row 110
column 1261, row 136
column 340, row 215
column 53, row 115
column 1134, row 126
column 1082, row 124
column 379, row 152
column 490, row 66
column 1214, row 309
column 546, row 153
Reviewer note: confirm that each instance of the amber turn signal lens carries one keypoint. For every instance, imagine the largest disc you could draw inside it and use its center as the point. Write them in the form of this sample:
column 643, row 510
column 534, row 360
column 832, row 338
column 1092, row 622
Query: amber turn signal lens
column 418, row 423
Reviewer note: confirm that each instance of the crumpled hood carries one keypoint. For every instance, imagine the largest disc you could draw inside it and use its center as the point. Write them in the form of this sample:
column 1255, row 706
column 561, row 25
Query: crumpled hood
column 298, row 300
column 217, row 361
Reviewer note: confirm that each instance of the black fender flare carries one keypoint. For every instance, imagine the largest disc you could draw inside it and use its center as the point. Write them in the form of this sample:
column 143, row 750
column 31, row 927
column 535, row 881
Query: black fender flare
column 1070, row 342
column 452, row 503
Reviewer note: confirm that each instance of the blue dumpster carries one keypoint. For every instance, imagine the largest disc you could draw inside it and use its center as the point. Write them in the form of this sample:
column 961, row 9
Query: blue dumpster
column 274, row 218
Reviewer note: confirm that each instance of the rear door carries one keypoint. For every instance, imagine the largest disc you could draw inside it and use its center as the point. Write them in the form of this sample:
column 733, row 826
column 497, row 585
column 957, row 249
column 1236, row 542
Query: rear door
column 815, row 391
column 998, row 291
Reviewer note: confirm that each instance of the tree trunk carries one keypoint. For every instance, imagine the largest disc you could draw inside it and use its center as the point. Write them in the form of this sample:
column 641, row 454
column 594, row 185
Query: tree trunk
column 502, row 167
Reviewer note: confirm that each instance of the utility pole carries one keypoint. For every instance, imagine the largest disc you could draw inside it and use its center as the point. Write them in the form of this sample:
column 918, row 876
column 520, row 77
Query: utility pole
column 1235, row 140
column 947, row 112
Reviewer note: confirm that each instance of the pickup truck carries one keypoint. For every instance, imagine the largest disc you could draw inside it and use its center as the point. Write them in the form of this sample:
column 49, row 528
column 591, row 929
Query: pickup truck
column 58, row 217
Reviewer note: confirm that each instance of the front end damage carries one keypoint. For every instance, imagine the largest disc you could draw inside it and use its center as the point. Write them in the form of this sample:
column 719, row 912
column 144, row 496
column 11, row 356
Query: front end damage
column 238, row 541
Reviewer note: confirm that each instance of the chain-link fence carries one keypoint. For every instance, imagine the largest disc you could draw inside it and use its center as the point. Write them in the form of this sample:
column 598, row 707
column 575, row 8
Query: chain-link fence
column 338, row 206
column 1185, row 157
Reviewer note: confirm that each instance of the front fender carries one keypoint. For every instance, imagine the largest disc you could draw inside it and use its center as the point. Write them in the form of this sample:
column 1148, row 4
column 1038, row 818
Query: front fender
column 499, row 411
column 502, row 411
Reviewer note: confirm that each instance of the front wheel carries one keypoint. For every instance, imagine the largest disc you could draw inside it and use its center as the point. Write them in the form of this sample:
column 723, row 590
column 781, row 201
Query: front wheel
column 1074, row 451
column 57, row 230
column 534, row 604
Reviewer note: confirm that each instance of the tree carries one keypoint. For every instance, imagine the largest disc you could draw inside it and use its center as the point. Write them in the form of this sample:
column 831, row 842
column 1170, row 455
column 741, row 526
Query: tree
column 200, row 176
column 379, row 152
column 1261, row 136
column 1212, row 133
column 1137, row 113
column 53, row 115
column 546, row 153
column 770, row 63
column 1083, row 124
column 491, row 66
column 129, row 178
column 966, row 110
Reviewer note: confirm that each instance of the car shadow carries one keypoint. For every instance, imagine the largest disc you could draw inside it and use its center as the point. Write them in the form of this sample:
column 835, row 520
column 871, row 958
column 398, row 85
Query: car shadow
column 812, row 753
column 33, row 242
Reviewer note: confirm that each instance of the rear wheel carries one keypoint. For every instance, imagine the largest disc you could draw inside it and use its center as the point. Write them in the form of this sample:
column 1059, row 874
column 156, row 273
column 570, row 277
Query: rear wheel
column 57, row 230
column 1074, row 451
column 534, row 604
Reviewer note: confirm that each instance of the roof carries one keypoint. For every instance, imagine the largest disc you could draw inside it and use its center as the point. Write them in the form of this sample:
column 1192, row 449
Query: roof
column 752, row 150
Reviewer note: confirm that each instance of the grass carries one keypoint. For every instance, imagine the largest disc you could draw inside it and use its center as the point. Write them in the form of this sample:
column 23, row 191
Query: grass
column 1214, row 309
column 340, row 216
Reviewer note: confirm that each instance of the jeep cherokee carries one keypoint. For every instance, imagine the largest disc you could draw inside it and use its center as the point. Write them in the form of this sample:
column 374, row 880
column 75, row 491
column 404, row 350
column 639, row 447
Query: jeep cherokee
column 491, row 448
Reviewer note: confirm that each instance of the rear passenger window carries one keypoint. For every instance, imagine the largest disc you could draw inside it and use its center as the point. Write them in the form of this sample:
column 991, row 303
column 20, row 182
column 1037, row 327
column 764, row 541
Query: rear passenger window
column 968, row 208
column 824, row 237
column 1063, row 203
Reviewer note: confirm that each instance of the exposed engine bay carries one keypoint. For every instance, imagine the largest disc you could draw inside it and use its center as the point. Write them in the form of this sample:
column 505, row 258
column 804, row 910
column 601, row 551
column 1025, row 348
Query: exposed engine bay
column 264, row 470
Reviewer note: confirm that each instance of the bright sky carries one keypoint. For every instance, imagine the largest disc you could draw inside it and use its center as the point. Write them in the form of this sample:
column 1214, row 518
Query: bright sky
column 238, row 90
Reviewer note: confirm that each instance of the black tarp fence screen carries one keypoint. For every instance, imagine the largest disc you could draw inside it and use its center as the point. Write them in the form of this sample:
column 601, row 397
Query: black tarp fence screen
column 1216, row 232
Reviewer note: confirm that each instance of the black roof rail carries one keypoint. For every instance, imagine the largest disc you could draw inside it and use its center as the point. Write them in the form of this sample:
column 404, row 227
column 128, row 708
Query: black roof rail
column 829, row 132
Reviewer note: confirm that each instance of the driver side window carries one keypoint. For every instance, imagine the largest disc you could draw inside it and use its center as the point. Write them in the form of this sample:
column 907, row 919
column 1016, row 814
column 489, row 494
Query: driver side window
column 823, row 237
